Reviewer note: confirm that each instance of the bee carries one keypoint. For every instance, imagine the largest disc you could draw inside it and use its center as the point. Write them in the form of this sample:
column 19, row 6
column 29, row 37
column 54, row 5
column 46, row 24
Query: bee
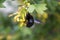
column 30, row 20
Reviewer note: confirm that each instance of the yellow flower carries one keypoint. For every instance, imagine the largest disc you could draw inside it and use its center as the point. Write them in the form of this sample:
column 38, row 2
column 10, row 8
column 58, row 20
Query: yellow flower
column 16, row 18
column 21, row 14
column 59, row 3
column 28, row 4
column 22, row 21
column 20, row 17
column 45, row 15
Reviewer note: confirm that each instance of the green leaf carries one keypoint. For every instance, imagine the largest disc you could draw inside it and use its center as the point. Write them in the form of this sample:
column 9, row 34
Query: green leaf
column 1, row 5
column 40, row 8
column 31, row 8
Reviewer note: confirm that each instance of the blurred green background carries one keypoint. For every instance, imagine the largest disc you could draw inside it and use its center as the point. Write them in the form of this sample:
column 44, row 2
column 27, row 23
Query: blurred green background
column 49, row 30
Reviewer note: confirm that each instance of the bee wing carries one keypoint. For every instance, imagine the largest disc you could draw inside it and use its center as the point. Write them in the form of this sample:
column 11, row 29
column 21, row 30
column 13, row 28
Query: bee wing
column 37, row 21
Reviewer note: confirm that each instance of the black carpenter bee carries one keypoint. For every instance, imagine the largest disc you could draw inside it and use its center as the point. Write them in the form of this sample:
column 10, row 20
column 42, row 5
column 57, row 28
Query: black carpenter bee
column 30, row 20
